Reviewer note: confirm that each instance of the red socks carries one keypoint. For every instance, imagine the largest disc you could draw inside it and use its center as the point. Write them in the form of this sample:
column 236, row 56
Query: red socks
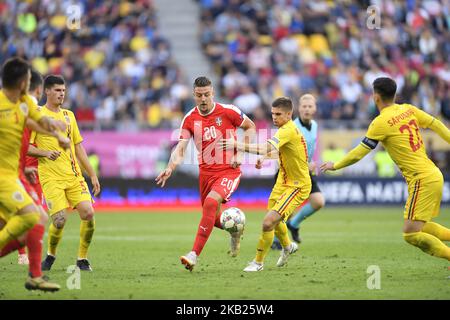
column 34, row 245
column 217, row 224
column 206, row 224
column 11, row 246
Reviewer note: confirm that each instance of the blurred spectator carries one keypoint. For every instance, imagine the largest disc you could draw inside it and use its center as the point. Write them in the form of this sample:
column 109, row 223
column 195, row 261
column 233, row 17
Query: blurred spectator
column 292, row 47
column 114, row 64
column 118, row 60
column 248, row 100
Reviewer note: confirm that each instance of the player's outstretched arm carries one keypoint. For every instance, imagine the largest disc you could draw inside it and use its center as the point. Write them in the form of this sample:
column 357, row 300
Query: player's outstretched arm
column 440, row 128
column 64, row 142
column 261, row 148
column 38, row 153
column 86, row 165
column 272, row 155
column 359, row 152
column 175, row 159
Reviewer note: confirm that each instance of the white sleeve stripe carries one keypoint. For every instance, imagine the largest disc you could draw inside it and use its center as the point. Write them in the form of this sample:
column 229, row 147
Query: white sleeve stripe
column 245, row 117
column 184, row 119
column 234, row 108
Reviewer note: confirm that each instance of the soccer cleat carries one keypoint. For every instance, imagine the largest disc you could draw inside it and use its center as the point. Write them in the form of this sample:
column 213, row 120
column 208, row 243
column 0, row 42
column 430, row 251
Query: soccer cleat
column 254, row 267
column 23, row 259
column 48, row 262
column 285, row 253
column 294, row 233
column 39, row 283
column 276, row 245
column 45, row 277
column 189, row 260
column 84, row 265
column 235, row 243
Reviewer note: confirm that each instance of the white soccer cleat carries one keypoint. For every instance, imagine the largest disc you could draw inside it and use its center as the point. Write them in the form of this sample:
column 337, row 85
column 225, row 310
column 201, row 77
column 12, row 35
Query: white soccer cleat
column 254, row 267
column 285, row 253
column 23, row 259
column 235, row 243
column 189, row 260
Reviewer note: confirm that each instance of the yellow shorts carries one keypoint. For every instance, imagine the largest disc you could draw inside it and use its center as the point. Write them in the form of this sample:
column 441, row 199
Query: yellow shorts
column 424, row 198
column 285, row 199
column 60, row 195
column 13, row 197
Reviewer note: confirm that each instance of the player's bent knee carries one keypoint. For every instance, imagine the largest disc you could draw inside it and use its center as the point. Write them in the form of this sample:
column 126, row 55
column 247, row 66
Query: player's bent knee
column 59, row 222
column 318, row 205
column 87, row 214
column 318, row 202
column 267, row 225
column 411, row 239
column 210, row 204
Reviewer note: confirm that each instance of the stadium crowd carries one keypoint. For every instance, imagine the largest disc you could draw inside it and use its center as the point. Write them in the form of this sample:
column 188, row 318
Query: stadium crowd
column 121, row 74
column 119, row 68
column 264, row 49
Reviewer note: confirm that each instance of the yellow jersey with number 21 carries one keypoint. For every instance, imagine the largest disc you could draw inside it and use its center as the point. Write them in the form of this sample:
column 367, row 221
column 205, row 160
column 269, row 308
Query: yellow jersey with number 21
column 397, row 128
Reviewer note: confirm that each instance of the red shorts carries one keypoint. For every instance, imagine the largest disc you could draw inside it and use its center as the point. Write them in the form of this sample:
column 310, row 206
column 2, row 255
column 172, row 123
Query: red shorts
column 35, row 191
column 224, row 183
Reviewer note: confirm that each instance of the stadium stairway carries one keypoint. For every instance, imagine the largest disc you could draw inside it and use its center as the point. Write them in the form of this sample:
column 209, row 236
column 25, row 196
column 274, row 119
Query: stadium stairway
column 180, row 25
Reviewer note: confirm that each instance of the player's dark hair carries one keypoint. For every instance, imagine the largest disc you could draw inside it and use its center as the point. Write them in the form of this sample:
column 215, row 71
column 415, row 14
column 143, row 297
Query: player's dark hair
column 52, row 80
column 202, row 82
column 284, row 103
column 36, row 80
column 13, row 72
column 385, row 87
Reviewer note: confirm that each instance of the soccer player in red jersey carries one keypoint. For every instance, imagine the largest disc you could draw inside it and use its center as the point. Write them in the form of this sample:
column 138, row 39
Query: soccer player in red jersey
column 220, row 174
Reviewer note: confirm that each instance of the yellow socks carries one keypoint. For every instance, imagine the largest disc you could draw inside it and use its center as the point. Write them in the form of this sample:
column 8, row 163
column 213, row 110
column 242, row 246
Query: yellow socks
column 54, row 236
column 16, row 226
column 265, row 241
column 87, row 228
column 428, row 243
column 440, row 232
column 281, row 231
column 86, row 232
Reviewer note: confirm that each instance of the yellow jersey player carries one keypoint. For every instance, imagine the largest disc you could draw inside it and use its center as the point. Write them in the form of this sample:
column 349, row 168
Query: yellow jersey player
column 397, row 128
column 62, row 180
column 18, row 213
column 293, row 184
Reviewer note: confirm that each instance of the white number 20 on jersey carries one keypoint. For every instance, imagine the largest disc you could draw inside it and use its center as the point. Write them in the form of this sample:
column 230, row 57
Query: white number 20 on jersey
column 210, row 133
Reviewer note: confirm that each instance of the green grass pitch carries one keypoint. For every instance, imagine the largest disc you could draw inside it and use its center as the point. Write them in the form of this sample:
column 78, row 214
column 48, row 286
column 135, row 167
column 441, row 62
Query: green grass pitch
column 136, row 256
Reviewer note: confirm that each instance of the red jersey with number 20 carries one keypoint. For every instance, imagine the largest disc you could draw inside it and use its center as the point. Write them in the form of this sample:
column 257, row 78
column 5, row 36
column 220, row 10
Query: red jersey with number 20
column 206, row 130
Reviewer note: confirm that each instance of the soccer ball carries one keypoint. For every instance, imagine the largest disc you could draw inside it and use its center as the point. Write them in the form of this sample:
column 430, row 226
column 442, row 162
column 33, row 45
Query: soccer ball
column 232, row 220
